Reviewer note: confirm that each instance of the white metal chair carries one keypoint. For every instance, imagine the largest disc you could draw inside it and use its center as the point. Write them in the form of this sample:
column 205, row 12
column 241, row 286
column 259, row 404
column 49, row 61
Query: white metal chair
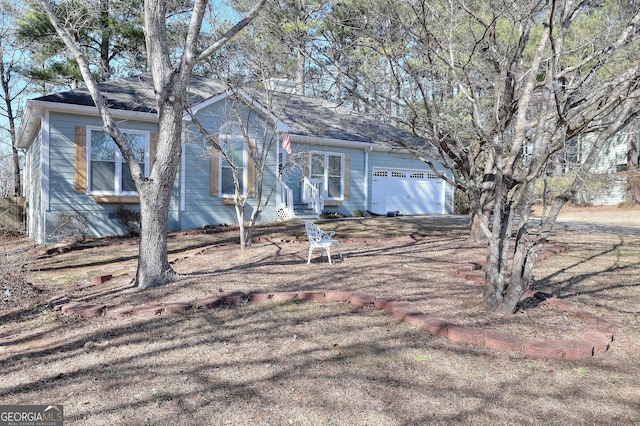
column 319, row 238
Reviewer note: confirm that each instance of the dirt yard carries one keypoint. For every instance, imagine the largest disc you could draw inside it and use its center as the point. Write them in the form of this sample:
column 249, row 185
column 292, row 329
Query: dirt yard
column 317, row 363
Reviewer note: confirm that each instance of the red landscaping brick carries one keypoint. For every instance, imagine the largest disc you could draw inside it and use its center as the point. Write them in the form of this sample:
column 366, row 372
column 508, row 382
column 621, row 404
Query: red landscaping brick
column 311, row 295
column 360, row 299
column 178, row 307
column 68, row 306
column 465, row 267
column 475, row 276
column 208, row 302
column 337, row 296
column 577, row 349
column 287, row 296
column 591, row 319
column 542, row 348
column 147, row 310
column 563, row 304
column 401, row 309
column 502, row 342
column 101, row 279
column 383, row 304
column 232, row 297
column 600, row 338
column 436, row 326
column 120, row 311
column 417, row 319
column 254, row 296
column 89, row 311
column 465, row 334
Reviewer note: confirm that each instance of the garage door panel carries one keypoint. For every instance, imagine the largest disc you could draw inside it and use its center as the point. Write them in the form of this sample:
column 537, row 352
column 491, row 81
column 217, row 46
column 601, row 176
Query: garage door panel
column 411, row 192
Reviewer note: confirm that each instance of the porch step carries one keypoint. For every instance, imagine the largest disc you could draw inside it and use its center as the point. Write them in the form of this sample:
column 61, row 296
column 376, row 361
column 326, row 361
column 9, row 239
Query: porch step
column 303, row 211
column 299, row 215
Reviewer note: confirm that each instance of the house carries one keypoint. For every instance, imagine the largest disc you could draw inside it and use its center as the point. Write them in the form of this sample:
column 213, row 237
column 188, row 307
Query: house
column 340, row 161
column 607, row 183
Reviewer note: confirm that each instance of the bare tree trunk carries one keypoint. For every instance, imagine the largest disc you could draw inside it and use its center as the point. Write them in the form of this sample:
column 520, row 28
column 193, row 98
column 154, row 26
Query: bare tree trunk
column 633, row 177
column 155, row 196
column 5, row 76
column 478, row 217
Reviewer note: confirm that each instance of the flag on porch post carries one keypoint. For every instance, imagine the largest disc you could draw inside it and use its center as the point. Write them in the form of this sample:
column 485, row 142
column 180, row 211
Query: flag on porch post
column 286, row 143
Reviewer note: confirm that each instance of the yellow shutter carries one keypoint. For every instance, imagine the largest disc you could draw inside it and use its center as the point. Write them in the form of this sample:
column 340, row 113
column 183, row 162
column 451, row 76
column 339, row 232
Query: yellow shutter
column 347, row 182
column 215, row 172
column 81, row 160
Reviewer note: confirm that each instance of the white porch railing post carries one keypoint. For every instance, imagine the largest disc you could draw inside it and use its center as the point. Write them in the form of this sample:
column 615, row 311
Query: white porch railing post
column 312, row 194
column 284, row 199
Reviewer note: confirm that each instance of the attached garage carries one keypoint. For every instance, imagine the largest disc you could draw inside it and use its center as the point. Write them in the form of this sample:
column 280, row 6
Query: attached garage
column 410, row 192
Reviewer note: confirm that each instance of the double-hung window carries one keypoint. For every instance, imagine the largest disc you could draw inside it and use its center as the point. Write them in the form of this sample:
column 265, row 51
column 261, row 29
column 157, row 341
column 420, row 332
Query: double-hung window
column 234, row 161
column 329, row 168
column 108, row 172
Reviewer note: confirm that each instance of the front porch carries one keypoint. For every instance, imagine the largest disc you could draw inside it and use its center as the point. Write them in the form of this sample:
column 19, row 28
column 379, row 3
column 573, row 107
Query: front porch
column 309, row 206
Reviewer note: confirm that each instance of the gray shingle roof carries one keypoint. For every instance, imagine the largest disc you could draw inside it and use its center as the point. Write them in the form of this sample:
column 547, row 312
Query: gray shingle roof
column 316, row 117
column 307, row 116
column 134, row 93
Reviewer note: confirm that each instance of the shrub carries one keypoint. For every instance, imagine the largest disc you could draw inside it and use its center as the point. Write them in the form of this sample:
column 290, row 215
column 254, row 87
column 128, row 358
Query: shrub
column 460, row 202
column 70, row 226
column 129, row 219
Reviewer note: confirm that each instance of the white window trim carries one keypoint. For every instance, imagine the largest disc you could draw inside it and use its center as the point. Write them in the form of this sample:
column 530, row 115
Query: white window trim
column 245, row 163
column 118, row 160
column 325, row 188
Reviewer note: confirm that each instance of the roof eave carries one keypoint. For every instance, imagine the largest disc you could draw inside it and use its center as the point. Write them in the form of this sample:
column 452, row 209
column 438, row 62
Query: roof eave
column 35, row 111
column 342, row 143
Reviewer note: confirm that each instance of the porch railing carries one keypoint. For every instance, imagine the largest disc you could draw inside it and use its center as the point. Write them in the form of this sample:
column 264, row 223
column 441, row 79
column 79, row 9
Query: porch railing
column 312, row 194
column 285, row 200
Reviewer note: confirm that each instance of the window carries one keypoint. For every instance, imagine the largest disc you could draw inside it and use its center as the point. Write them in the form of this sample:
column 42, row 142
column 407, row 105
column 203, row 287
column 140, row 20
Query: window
column 234, row 157
column 329, row 168
column 108, row 172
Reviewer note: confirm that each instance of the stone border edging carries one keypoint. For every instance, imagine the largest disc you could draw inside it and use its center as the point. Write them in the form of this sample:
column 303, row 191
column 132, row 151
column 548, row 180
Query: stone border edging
column 596, row 339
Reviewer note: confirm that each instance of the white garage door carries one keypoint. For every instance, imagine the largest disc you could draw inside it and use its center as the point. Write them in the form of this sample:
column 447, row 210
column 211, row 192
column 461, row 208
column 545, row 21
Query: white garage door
column 410, row 192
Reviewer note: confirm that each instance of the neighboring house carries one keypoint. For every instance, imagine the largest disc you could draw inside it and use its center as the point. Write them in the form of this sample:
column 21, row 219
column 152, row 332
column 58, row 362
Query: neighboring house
column 340, row 161
column 607, row 183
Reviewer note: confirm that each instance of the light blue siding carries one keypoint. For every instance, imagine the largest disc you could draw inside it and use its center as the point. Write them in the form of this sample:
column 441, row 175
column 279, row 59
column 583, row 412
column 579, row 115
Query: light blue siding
column 192, row 205
column 356, row 175
column 200, row 207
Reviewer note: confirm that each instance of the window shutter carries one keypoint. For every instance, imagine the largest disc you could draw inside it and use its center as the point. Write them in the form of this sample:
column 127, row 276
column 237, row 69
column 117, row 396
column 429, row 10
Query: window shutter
column 347, row 181
column 252, row 170
column 153, row 147
column 215, row 172
column 81, row 160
